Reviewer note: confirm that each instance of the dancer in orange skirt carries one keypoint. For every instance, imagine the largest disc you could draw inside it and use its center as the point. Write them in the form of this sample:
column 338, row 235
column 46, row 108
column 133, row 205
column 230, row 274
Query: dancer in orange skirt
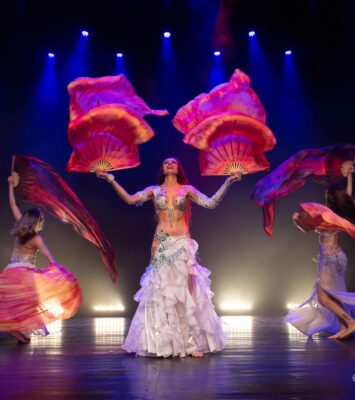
column 30, row 298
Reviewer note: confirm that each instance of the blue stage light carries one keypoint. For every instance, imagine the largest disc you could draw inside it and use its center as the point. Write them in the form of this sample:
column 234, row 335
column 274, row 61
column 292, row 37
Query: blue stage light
column 84, row 33
column 51, row 55
column 119, row 55
column 217, row 53
column 251, row 33
column 167, row 34
column 288, row 52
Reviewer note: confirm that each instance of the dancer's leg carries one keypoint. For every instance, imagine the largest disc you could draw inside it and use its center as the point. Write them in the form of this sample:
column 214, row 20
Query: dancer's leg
column 346, row 321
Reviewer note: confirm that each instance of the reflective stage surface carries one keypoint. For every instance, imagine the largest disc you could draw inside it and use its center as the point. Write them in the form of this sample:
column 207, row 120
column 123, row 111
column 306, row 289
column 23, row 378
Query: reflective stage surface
column 264, row 359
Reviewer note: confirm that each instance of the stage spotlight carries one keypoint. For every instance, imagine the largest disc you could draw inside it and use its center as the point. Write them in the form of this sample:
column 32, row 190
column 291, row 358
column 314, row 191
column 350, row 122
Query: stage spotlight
column 108, row 307
column 237, row 325
column 288, row 52
column 84, row 33
column 217, row 53
column 119, row 55
column 235, row 306
column 251, row 33
column 291, row 306
column 54, row 308
column 166, row 34
column 51, row 55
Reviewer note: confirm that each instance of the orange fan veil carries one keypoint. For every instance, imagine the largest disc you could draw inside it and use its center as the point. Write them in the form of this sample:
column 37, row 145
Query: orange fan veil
column 106, row 124
column 228, row 126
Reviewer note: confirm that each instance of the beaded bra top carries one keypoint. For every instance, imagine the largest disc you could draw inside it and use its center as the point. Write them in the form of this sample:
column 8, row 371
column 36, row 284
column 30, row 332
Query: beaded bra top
column 158, row 194
column 161, row 201
column 23, row 259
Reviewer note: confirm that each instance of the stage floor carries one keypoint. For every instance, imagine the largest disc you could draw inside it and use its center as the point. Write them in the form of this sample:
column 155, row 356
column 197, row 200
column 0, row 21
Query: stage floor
column 264, row 359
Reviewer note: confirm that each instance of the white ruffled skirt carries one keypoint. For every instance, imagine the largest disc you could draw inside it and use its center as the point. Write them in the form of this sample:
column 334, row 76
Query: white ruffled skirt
column 311, row 317
column 175, row 315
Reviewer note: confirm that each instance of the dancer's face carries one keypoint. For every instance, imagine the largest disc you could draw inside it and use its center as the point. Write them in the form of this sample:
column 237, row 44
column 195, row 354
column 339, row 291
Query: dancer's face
column 170, row 166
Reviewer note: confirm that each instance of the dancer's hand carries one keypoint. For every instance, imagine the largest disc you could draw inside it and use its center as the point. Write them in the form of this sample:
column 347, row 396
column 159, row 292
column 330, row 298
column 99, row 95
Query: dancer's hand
column 296, row 220
column 237, row 176
column 295, row 216
column 105, row 175
column 351, row 171
column 14, row 179
column 301, row 220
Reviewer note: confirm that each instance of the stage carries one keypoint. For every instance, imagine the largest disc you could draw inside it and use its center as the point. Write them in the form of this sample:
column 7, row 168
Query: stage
column 264, row 359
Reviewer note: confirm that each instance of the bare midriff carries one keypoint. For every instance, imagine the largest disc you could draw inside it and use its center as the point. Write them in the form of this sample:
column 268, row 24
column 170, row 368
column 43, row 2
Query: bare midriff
column 329, row 244
column 176, row 227
column 173, row 227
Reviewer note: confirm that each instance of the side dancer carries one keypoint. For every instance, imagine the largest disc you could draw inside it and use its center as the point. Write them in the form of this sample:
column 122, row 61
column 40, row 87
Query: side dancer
column 31, row 298
column 330, row 307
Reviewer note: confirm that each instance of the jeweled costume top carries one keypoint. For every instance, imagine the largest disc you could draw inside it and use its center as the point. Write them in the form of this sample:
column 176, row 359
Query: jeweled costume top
column 158, row 195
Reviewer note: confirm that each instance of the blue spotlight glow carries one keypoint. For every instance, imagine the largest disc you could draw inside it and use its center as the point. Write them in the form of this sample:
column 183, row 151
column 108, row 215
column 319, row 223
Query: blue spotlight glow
column 51, row 55
column 84, row 33
column 167, row 35
column 288, row 52
column 216, row 74
column 251, row 33
column 120, row 67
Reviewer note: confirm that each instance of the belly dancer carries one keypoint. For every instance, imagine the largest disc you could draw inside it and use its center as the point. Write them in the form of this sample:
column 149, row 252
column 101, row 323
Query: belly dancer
column 31, row 298
column 330, row 307
column 175, row 315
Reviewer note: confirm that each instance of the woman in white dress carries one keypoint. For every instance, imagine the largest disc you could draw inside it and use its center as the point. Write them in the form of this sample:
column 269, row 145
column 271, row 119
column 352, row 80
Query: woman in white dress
column 330, row 307
column 175, row 315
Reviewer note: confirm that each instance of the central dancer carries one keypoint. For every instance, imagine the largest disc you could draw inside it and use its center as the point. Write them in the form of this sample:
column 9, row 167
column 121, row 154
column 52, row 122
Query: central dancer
column 175, row 316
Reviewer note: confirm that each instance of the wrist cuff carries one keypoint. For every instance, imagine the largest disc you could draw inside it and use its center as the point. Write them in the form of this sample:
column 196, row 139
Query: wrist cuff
column 110, row 178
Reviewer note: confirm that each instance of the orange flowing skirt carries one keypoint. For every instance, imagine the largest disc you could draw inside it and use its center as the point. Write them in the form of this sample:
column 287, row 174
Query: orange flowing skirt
column 31, row 298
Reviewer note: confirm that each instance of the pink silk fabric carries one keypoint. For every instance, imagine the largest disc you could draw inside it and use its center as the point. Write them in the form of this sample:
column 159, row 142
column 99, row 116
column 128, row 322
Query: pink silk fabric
column 32, row 298
column 234, row 96
column 228, row 125
column 103, row 146
column 89, row 93
column 109, row 109
column 41, row 185
column 119, row 121
column 324, row 165
column 314, row 216
column 285, row 179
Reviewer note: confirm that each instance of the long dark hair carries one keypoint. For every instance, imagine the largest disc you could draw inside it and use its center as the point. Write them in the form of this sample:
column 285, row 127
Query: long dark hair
column 26, row 227
column 182, row 180
column 338, row 200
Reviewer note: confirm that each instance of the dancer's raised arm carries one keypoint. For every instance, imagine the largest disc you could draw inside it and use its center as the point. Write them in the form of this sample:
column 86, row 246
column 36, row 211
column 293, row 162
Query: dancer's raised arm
column 12, row 200
column 137, row 198
column 349, row 186
column 211, row 202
